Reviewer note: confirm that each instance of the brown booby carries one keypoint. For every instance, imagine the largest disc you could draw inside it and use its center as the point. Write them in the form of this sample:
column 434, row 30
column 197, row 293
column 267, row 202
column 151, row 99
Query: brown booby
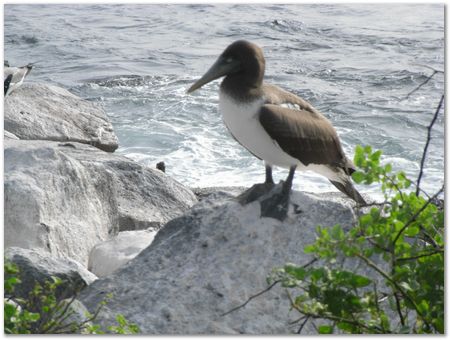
column 18, row 75
column 275, row 125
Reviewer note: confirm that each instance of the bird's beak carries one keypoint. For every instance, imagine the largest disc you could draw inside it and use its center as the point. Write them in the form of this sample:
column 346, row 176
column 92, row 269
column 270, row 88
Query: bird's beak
column 219, row 69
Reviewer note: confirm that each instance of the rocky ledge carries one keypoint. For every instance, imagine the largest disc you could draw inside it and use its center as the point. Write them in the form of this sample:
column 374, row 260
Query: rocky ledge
column 212, row 259
column 47, row 112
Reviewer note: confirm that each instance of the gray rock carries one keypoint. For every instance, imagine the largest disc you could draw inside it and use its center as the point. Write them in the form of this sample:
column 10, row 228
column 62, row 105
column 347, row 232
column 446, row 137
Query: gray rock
column 76, row 316
column 9, row 135
column 213, row 259
column 218, row 192
column 46, row 112
column 110, row 255
column 67, row 197
column 36, row 266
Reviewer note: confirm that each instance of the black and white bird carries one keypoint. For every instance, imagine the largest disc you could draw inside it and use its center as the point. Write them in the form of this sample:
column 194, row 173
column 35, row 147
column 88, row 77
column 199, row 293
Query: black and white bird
column 275, row 125
column 18, row 75
column 6, row 83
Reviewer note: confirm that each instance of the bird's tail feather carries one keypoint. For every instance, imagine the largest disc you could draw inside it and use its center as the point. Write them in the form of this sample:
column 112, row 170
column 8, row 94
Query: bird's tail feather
column 347, row 188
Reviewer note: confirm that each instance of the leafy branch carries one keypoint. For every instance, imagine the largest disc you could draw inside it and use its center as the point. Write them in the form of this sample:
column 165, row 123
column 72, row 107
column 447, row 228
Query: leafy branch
column 46, row 312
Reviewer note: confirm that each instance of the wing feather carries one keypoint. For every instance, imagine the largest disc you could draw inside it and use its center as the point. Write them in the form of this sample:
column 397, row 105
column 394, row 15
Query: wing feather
column 303, row 134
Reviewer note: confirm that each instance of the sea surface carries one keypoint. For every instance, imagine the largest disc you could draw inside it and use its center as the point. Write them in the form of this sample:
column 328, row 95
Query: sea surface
column 356, row 63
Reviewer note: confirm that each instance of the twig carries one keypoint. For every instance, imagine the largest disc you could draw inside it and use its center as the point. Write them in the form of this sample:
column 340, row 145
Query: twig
column 395, row 284
column 371, row 204
column 422, row 162
column 251, row 298
column 341, row 319
column 399, row 308
column 264, row 291
column 303, row 325
column 439, row 251
column 429, row 67
column 413, row 218
column 422, row 84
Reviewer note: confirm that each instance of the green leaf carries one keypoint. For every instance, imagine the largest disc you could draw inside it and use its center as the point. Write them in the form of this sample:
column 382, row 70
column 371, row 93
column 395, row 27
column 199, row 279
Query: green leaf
column 405, row 285
column 358, row 158
column 365, row 220
column 347, row 327
column 297, row 272
column 33, row 317
column 358, row 176
column 423, row 307
column 388, row 168
column 376, row 155
column 412, row 231
column 10, row 310
column 325, row 329
column 359, row 281
column 310, row 248
column 121, row 320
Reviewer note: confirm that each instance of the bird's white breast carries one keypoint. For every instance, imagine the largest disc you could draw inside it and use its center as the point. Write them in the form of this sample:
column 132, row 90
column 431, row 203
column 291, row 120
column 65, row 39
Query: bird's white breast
column 243, row 122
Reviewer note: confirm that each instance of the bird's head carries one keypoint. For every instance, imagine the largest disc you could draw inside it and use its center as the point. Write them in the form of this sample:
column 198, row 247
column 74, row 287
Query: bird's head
column 240, row 58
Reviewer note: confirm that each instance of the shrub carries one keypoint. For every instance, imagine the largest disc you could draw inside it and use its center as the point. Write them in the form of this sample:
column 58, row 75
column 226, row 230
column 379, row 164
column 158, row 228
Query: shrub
column 43, row 313
column 406, row 232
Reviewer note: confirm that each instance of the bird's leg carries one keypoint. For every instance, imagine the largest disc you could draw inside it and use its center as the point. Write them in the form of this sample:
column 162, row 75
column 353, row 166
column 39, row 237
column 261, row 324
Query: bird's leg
column 258, row 190
column 276, row 205
column 288, row 184
column 269, row 178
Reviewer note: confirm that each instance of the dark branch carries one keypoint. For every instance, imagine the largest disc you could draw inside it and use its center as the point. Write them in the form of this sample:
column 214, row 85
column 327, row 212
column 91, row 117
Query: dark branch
column 303, row 325
column 429, row 67
column 422, row 162
column 251, row 298
column 438, row 251
column 422, row 84
column 264, row 291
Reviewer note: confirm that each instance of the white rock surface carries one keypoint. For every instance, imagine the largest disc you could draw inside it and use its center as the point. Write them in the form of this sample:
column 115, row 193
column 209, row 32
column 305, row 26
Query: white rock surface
column 47, row 112
column 110, row 255
column 213, row 259
column 67, row 197
column 9, row 135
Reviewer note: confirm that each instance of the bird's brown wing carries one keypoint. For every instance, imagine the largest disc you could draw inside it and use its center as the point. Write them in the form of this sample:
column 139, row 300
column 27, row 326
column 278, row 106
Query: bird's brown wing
column 303, row 134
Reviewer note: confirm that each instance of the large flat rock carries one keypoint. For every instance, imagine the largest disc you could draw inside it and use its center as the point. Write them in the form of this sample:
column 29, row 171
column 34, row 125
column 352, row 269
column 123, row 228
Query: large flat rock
column 67, row 197
column 213, row 259
column 47, row 112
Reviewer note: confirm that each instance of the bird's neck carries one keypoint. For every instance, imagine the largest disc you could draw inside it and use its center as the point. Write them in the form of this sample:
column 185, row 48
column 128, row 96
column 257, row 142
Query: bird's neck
column 242, row 87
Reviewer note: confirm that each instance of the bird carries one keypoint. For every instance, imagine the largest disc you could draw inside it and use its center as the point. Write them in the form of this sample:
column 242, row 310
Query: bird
column 18, row 76
column 6, row 82
column 276, row 126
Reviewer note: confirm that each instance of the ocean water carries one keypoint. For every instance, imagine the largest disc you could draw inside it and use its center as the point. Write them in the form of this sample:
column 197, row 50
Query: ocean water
column 356, row 63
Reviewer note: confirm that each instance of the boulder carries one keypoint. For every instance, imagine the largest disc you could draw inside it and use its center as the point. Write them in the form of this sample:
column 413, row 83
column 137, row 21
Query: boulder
column 36, row 266
column 67, row 197
column 211, row 260
column 108, row 256
column 47, row 112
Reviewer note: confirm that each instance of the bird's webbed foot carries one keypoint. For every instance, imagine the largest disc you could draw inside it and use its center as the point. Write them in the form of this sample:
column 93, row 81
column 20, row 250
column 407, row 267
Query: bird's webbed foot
column 276, row 203
column 255, row 192
column 274, row 199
